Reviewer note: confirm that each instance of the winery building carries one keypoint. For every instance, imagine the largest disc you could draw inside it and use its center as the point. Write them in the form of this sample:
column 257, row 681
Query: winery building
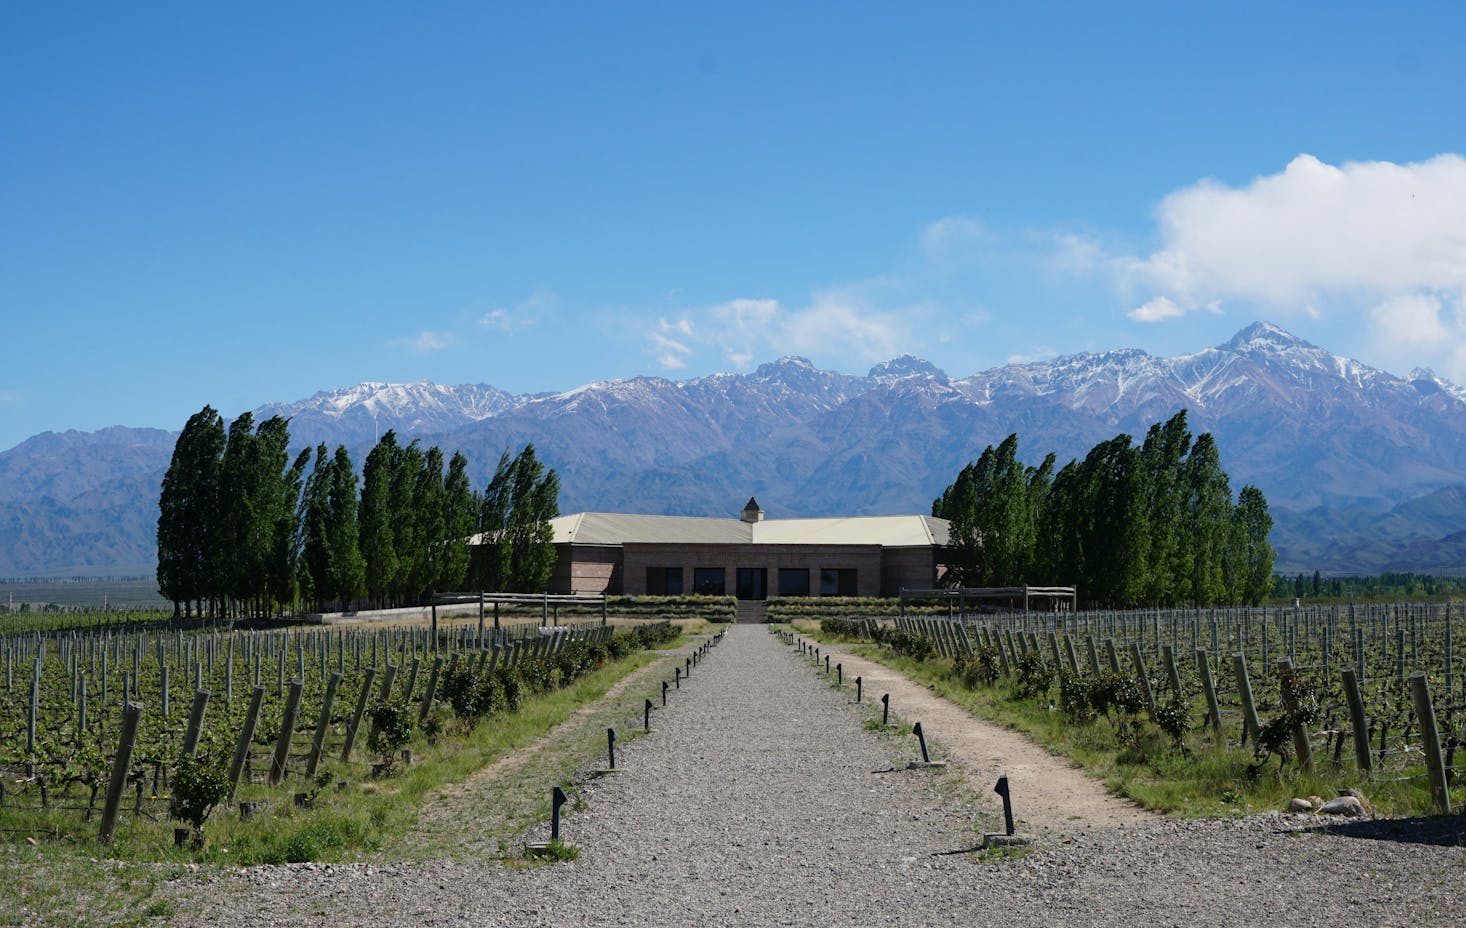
column 750, row 557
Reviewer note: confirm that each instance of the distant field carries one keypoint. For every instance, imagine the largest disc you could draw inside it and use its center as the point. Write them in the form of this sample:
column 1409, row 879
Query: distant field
column 91, row 594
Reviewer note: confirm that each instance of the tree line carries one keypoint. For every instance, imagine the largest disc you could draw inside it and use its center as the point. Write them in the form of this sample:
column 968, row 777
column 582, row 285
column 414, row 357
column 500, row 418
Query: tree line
column 1154, row 524
column 245, row 529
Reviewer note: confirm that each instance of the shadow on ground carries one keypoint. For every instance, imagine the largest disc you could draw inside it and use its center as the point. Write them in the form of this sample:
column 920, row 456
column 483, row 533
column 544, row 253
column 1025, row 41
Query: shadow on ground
column 1438, row 830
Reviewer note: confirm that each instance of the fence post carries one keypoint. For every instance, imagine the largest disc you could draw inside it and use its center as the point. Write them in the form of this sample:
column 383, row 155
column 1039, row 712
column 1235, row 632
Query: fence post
column 1251, row 725
column 1434, row 764
column 1213, row 708
column 287, row 728
column 241, row 748
column 131, row 714
column 367, row 677
column 1358, row 720
column 318, row 740
column 1290, row 705
column 432, row 693
column 195, row 721
column 1140, row 672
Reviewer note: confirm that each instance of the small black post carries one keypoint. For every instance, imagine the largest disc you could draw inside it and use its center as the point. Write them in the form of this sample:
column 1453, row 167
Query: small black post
column 921, row 737
column 885, row 708
column 1002, row 790
column 857, row 689
column 557, row 799
column 827, row 663
column 664, row 694
column 677, row 676
column 611, row 747
column 687, row 667
column 839, row 674
column 646, row 716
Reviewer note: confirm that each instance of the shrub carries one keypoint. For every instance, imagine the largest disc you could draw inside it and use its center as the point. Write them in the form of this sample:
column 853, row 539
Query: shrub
column 198, row 786
column 1032, row 677
column 391, row 730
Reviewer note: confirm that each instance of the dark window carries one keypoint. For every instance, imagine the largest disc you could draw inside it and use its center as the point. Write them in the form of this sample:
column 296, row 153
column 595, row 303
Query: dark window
column 793, row 581
column 753, row 583
column 837, row 581
column 664, row 581
column 709, row 581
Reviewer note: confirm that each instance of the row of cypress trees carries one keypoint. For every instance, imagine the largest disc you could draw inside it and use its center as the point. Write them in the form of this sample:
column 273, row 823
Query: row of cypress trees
column 1154, row 524
column 244, row 529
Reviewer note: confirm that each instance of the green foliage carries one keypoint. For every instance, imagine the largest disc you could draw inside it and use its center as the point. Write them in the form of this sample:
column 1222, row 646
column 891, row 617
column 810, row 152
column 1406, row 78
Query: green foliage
column 1032, row 678
column 1171, row 716
column 392, row 725
column 1127, row 525
column 981, row 668
column 199, row 784
column 908, row 643
column 518, row 505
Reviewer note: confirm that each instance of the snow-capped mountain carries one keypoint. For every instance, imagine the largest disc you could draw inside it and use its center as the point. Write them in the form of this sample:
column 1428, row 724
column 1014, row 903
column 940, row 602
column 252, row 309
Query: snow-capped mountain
column 358, row 414
column 1343, row 451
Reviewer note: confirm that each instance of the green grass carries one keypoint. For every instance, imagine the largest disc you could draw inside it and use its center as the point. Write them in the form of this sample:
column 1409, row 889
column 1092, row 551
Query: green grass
column 79, row 882
column 1207, row 779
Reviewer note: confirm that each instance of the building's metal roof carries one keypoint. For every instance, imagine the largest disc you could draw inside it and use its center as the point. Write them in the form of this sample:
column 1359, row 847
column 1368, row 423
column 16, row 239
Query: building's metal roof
column 610, row 528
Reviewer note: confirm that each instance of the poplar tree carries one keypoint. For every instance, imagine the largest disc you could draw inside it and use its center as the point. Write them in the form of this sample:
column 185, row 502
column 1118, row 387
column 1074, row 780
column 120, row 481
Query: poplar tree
column 188, row 523
column 377, row 542
column 347, row 569
column 518, row 505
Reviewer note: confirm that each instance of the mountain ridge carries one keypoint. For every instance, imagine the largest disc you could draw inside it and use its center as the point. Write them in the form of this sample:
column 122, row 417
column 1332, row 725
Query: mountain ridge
column 1320, row 434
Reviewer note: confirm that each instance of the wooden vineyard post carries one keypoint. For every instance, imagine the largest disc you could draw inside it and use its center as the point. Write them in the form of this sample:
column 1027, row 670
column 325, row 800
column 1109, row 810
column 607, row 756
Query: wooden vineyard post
column 287, row 728
column 1358, row 720
column 318, row 740
column 131, row 714
column 1435, row 765
column 195, row 722
column 367, row 677
column 384, row 696
column 1213, row 708
column 1054, row 647
column 1094, row 665
column 1112, row 655
column 432, row 693
column 1168, row 655
column 1251, row 725
column 1144, row 677
column 1290, row 705
column 246, row 734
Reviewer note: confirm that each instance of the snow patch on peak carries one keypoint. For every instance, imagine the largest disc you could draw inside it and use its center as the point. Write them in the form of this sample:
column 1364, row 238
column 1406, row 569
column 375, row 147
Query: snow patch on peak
column 1265, row 337
column 905, row 366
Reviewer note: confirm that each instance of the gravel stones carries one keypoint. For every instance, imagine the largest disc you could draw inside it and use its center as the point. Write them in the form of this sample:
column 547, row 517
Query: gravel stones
column 757, row 802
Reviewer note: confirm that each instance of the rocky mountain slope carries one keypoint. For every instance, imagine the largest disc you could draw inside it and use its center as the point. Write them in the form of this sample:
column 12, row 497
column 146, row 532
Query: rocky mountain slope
column 1365, row 470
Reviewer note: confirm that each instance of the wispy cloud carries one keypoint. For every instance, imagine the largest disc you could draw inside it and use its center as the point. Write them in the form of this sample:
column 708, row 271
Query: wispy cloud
column 11, row 398
column 522, row 315
column 1381, row 242
column 669, row 339
column 426, row 342
column 949, row 236
column 835, row 323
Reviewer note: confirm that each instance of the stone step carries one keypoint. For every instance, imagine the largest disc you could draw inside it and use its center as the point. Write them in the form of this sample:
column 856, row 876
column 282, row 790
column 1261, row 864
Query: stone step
column 752, row 611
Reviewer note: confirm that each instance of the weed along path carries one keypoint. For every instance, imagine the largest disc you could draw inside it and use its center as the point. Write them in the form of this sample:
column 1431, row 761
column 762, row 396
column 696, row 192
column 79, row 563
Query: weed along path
column 762, row 797
column 1049, row 793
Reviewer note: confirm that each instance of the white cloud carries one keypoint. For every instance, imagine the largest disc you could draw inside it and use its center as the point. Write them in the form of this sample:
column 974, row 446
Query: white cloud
column 671, row 352
column 425, row 342
column 1364, row 230
column 1158, row 309
column 11, row 398
column 1038, row 354
column 520, row 316
column 941, row 238
column 834, row 324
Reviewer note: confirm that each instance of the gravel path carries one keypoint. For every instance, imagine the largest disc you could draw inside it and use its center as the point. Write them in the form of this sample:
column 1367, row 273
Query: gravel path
column 760, row 800
column 1049, row 793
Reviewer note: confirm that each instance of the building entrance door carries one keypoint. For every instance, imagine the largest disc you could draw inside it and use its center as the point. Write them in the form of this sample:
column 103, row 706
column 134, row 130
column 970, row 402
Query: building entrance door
column 753, row 583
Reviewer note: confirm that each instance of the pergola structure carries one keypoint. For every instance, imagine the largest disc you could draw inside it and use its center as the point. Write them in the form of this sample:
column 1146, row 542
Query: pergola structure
column 1059, row 598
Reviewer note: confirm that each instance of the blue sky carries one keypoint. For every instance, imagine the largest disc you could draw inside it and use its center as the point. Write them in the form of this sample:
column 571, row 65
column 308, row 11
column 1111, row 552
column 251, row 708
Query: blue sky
column 234, row 206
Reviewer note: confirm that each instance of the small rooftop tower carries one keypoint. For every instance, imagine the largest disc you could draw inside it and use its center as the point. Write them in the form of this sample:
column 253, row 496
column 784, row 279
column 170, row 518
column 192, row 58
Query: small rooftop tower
column 751, row 512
